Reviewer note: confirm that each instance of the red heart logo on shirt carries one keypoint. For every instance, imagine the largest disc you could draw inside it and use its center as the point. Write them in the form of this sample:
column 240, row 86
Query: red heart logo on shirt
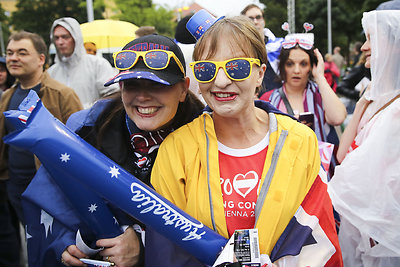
column 243, row 184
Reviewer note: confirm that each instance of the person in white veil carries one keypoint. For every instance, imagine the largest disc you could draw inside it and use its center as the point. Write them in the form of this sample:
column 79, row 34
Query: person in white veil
column 365, row 189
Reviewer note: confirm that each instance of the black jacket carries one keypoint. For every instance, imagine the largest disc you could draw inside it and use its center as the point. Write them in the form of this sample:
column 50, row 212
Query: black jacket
column 346, row 86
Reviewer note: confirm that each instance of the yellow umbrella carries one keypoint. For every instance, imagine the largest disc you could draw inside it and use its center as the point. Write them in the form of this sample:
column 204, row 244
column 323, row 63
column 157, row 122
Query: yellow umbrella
column 106, row 33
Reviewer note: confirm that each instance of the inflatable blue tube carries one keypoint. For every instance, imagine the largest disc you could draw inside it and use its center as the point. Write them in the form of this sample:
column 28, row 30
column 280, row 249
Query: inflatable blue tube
column 65, row 155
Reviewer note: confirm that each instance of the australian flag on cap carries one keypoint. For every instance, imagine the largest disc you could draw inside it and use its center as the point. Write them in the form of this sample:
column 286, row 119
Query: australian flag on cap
column 200, row 22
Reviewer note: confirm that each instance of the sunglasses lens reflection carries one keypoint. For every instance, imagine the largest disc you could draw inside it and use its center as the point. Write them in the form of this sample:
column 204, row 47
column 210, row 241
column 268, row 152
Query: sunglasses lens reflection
column 124, row 60
column 204, row 71
column 157, row 59
column 238, row 69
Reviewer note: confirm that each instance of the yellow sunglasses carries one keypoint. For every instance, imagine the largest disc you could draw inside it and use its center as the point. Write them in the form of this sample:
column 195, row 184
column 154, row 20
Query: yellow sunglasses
column 155, row 59
column 237, row 69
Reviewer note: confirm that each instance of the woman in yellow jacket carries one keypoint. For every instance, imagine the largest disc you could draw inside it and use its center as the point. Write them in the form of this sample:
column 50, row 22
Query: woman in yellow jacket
column 243, row 164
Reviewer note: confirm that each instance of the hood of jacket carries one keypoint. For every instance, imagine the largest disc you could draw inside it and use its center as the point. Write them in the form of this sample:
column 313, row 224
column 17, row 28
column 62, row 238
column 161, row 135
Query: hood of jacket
column 71, row 25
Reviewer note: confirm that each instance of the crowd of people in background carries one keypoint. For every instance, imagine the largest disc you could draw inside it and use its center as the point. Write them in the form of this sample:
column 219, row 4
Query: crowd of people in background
column 192, row 115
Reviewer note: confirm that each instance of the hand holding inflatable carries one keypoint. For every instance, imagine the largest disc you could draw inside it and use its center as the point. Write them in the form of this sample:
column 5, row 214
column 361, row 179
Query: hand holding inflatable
column 64, row 154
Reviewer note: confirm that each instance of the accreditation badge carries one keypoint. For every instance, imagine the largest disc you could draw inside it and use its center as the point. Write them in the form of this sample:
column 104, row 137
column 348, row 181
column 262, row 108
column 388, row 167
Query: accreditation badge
column 243, row 247
column 246, row 247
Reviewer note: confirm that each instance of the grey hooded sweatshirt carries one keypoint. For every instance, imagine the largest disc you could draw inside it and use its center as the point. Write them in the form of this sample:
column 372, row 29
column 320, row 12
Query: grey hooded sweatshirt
column 84, row 73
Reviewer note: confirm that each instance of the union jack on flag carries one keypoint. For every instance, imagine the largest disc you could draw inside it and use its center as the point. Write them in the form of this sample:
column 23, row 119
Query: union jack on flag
column 232, row 66
column 310, row 232
column 199, row 67
column 121, row 56
column 151, row 55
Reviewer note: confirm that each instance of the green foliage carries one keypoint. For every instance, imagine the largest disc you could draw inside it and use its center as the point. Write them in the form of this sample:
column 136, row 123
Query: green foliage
column 4, row 20
column 38, row 15
column 275, row 15
column 144, row 13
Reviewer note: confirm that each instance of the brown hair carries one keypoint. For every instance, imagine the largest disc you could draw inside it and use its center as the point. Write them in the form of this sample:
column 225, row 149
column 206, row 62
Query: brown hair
column 37, row 41
column 284, row 56
column 145, row 30
column 250, row 6
column 240, row 30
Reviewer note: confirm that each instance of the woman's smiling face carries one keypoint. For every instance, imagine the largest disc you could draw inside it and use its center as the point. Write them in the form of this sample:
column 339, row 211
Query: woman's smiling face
column 150, row 105
column 226, row 97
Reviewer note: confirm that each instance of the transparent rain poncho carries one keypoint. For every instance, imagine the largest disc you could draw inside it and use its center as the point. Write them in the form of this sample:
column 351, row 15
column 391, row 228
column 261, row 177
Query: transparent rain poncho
column 383, row 27
column 365, row 189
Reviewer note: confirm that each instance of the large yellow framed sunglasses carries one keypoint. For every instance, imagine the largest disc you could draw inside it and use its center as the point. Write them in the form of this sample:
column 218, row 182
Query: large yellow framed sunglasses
column 237, row 69
column 155, row 59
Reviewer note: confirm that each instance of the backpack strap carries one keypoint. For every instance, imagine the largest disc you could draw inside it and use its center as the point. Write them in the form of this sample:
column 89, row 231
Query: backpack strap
column 286, row 101
column 385, row 106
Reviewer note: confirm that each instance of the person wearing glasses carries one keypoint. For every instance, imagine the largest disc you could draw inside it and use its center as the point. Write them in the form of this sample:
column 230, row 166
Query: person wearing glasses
column 243, row 164
column 272, row 44
column 128, row 128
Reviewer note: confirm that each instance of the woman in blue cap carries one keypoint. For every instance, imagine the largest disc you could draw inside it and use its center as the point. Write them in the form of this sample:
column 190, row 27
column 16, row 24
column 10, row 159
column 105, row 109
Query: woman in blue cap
column 128, row 128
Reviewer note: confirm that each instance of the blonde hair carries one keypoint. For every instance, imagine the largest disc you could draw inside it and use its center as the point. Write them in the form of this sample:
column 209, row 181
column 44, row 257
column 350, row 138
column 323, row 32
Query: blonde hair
column 240, row 31
column 328, row 57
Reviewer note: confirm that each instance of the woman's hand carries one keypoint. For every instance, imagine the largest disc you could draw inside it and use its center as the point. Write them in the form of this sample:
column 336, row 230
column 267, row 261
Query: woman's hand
column 319, row 69
column 335, row 111
column 71, row 256
column 123, row 250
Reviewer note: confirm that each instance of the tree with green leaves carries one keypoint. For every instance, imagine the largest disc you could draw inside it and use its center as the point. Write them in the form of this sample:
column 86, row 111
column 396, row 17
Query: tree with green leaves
column 5, row 32
column 38, row 15
column 275, row 14
column 145, row 13
column 346, row 20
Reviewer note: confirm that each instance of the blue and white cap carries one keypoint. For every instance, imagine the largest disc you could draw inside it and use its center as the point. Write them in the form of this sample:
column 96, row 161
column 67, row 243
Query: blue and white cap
column 168, row 76
column 200, row 22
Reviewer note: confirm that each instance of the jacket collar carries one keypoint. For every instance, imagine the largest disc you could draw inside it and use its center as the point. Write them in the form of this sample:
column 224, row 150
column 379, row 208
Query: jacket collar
column 266, row 106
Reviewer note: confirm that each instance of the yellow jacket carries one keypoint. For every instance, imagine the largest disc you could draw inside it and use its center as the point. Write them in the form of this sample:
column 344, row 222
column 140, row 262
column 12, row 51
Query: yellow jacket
column 186, row 172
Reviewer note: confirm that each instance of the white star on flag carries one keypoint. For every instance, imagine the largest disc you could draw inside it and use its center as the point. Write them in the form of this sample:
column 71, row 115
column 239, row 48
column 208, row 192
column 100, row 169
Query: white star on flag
column 114, row 172
column 27, row 235
column 64, row 157
column 92, row 208
column 47, row 221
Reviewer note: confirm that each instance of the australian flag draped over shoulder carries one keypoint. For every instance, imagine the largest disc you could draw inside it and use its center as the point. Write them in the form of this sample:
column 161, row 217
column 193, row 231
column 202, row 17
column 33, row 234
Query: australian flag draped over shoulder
column 310, row 239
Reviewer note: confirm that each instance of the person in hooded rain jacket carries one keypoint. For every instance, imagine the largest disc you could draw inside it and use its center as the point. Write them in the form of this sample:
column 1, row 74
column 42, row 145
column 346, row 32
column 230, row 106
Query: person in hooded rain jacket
column 84, row 73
